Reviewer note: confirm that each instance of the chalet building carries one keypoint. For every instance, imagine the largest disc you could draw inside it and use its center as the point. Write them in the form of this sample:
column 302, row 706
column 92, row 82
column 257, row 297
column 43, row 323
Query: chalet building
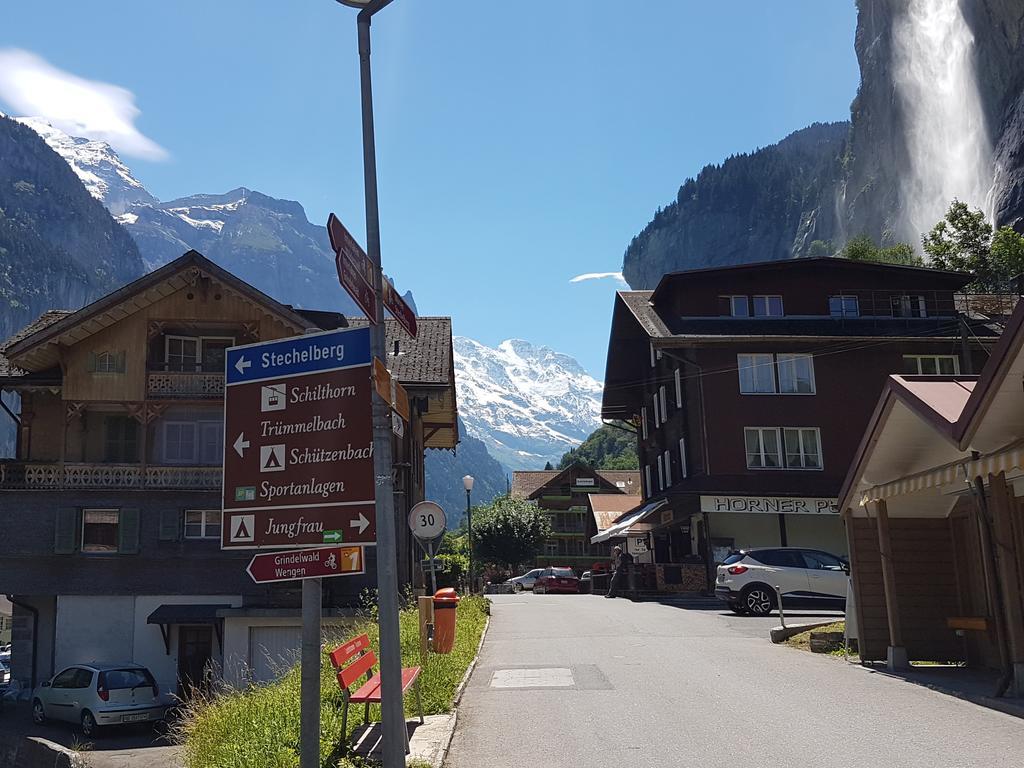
column 112, row 502
column 749, row 387
column 565, row 496
column 934, row 504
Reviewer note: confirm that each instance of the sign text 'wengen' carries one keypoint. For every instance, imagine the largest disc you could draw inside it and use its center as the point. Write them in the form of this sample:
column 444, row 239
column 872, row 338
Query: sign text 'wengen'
column 295, row 564
column 298, row 442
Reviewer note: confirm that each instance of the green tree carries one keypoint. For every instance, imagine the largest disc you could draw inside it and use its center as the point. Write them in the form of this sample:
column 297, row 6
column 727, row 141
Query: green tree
column 548, row 466
column 453, row 554
column 863, row 248
column 608, row 447
column 964, row 241
column 508, row 532
column 819, row 248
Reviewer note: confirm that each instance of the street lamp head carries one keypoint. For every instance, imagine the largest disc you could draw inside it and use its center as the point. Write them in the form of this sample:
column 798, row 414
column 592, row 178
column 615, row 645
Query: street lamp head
column 467, row 482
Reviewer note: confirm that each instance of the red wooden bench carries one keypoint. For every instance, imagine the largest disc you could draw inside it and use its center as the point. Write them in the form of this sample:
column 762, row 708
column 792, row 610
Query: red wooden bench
column 354, row 659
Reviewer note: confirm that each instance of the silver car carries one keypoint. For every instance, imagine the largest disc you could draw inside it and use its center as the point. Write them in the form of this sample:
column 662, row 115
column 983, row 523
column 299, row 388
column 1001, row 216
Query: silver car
column 526, row 581
column 94, row 695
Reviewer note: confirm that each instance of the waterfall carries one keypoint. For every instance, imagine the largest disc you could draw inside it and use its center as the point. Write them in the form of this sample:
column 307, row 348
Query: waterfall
column 947, row 139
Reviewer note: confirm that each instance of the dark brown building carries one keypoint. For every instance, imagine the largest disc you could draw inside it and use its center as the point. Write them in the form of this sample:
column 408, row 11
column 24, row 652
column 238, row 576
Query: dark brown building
column 750, row 387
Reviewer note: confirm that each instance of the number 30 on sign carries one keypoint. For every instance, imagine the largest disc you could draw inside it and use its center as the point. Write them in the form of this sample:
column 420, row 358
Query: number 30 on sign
column 427, row 520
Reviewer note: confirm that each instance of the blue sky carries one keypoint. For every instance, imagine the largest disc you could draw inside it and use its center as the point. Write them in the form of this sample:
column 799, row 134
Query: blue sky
column 520, row 143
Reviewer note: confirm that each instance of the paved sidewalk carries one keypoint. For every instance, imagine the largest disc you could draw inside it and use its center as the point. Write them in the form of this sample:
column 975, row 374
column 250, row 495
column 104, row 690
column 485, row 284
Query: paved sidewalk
column 578, row 680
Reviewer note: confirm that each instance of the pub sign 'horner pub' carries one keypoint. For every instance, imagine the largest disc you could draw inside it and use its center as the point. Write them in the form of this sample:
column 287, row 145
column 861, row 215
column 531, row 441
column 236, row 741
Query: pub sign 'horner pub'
column 298, row 442
column 778, row 505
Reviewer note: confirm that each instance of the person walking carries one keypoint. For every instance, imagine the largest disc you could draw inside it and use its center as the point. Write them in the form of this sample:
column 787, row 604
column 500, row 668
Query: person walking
column 621, row 562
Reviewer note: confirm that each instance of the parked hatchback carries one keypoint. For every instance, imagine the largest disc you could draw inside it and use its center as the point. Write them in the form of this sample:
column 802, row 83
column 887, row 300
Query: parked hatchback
column 95, row 695
column 807, row 578
column 526, row 581
column 557, row 579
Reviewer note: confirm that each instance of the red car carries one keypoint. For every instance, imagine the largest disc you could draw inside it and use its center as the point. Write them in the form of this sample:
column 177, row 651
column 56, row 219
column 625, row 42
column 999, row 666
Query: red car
column 556, row 579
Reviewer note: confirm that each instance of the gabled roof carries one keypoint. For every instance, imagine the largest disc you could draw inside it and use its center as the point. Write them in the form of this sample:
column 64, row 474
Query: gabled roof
column 527, row 484
column 45, row 320
column 37, row 351
column 427, row 359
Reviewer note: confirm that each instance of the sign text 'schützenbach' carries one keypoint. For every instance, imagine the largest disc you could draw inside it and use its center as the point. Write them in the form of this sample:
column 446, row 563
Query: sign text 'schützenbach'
column 298, row 442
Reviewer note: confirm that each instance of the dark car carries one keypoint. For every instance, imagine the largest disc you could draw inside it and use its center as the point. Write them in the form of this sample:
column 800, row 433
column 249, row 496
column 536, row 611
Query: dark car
column 557, row 579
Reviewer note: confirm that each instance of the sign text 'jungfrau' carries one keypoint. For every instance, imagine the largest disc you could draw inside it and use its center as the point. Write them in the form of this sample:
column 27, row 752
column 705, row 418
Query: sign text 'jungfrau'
column 298, row 458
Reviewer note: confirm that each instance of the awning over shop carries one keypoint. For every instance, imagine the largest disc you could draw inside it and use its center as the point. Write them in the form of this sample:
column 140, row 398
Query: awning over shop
column 186, row 613
column 625, row 523
column 1006, row 460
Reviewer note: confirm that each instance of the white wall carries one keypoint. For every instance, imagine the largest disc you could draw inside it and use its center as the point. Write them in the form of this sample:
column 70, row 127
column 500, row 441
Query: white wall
column 91, row 628
column 817, row 532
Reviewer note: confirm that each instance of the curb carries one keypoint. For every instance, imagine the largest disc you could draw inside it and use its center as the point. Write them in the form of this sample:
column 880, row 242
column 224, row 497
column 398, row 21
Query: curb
column 460, row 690
column 781, row 634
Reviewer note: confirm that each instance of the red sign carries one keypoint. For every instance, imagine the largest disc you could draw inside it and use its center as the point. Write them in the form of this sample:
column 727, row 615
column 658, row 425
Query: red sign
column 306, row 564
column 399, row 310
column 298, row 447
column 355, row 270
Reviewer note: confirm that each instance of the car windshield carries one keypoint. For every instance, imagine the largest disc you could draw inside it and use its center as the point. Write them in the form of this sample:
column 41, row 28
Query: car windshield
column 562, row 573
column 117, row 679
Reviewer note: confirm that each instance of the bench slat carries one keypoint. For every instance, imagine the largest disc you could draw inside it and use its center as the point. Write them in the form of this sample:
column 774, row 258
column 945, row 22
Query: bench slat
column 346, row 651
column 369, row 693
column 356, row 669
column 976, row 623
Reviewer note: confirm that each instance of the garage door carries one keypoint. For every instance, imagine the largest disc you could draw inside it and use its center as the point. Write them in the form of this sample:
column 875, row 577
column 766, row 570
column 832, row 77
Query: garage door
column 273, row 651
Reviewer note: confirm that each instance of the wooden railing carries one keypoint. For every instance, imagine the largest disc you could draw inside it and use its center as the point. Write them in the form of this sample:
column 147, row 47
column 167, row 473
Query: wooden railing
column 174, row 385
column 19, row 475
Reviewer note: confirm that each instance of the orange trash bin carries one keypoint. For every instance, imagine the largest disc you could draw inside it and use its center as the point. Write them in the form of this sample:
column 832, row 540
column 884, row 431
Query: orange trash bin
column 445, row 603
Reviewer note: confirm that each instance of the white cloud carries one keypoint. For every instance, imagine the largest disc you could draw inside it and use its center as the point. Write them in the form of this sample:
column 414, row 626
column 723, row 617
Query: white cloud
column 599, row 276
column 33, row 87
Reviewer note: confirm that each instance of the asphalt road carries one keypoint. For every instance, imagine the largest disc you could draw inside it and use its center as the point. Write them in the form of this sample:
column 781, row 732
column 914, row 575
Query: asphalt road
column 652, row 684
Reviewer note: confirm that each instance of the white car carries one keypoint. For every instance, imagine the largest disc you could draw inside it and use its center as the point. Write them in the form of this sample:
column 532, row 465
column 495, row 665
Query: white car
column 807, row 578
column 94, row 695
column 526, row 581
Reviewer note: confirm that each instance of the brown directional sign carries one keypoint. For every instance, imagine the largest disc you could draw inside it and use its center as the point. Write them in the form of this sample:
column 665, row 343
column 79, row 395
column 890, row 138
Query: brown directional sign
column 355, row 270
column 399, row 310
column 295, row 564
column 298, row 446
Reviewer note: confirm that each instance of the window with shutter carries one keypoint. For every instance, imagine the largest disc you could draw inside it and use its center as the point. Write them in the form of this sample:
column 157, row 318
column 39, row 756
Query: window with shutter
column 170, row 524
column 65, row 531
column 679, row 390
column 128, row 532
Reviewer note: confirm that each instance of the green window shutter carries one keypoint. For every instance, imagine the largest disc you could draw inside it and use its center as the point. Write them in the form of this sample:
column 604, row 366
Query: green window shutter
column 65, row 531
column 90, row 364
column 170, row 524
column 120, row 364
column 128, row 531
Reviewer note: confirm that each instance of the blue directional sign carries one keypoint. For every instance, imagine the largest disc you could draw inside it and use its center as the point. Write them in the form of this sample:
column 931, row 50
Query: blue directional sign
column 312, row 353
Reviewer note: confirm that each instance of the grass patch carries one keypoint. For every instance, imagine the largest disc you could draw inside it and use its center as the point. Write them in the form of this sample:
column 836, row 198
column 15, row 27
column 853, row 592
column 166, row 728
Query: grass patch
column 803, row 640
column 258, row 727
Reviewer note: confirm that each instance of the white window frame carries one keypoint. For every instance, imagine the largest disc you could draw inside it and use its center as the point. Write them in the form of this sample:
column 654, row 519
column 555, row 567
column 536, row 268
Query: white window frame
column 668, row 469
column 843, row 298
column 81, row 533
column 204, row 524
column 778, row 441
column 679, row 389
column 653, row 362
column 786, row 357
column 682, row 457
column 732, row 305
column 766, row 298
column 654, row 405
column 167, row 349
column 195, row 442
column 643, row 421
column 647, row 480
column 661, row 474
column 203, row 426
column 800, row 432
column 106, row 362
column 663, row 401
column 918, row 358
column 740, row 367
column 911, row 300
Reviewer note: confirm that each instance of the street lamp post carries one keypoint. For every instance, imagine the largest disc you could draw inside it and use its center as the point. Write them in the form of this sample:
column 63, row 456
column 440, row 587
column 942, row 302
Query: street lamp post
column 467, row 483
column 394, row 735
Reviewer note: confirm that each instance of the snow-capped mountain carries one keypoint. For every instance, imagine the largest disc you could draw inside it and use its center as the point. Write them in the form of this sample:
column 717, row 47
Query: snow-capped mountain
column 528, row 404
column 97, row 164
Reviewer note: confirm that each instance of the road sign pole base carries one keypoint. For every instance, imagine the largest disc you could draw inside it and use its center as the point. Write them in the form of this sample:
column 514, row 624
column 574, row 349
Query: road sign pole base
column 309, row 692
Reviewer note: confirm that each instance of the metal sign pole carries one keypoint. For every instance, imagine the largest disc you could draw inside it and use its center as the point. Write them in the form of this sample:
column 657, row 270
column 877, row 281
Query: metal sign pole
column 309, row 690
column 433, row 569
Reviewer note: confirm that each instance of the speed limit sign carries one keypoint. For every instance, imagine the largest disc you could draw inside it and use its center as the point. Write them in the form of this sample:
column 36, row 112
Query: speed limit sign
column 427, row 520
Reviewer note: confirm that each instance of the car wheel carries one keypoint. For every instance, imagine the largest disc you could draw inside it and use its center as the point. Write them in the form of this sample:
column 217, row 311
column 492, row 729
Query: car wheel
column 538, row 589
column 758, row 600
column 517, row 587
column 738, row 609
column 89, row 728
column 38, row 713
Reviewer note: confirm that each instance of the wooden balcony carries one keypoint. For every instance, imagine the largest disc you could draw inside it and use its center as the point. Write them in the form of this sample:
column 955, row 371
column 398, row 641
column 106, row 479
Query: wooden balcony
column 40, row 476
column 184, row 385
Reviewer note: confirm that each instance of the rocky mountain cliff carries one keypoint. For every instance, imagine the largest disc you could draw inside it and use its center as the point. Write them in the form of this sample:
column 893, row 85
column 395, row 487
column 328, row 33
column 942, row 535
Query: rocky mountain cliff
column 444, row 472
column 939, row 114
column 528, row 404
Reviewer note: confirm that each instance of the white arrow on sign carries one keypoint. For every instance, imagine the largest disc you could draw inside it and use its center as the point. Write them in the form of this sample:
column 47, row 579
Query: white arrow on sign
column 361, row 522
column 241, row 364
column 240, row 445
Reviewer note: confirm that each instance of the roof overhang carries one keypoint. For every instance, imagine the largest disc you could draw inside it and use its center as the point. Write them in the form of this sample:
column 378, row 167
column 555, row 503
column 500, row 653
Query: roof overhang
column 624, row 523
